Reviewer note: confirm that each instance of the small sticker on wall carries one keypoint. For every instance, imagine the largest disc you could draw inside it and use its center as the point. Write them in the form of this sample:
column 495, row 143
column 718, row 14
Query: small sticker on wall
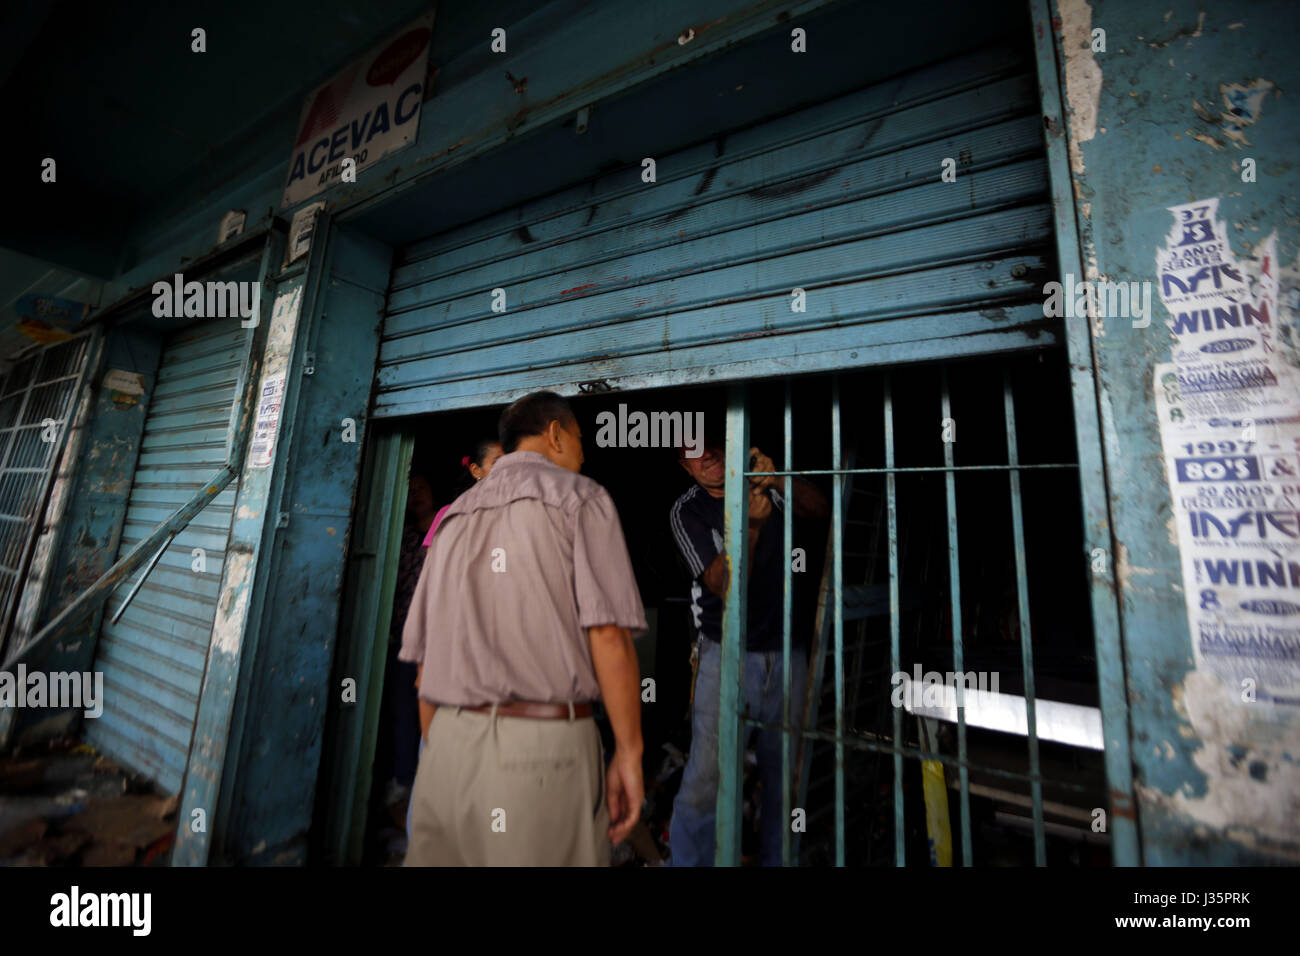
column 124, row 388
column 301, row 228
column 267, row 424
column 128, row 383
column 232, row 224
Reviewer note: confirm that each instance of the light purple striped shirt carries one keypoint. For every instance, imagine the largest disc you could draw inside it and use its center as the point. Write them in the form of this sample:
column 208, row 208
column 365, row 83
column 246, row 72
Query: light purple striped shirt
column 522, row 564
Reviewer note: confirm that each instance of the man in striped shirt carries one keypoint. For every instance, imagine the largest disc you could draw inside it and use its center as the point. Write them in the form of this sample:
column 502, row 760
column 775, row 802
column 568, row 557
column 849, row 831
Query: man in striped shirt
column 697, row 524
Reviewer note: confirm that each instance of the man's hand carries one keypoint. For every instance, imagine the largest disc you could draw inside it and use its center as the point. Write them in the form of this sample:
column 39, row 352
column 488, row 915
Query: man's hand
column 625, row 792
column 762, row 463
column 613, row 655
column 760, row 506
column 427, row 711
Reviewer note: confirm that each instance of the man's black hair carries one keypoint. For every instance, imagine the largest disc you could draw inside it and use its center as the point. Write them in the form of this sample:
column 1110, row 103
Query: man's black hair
column 531, row 415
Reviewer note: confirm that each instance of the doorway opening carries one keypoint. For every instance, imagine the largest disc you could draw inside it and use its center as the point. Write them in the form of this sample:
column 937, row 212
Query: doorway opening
column 950, row 564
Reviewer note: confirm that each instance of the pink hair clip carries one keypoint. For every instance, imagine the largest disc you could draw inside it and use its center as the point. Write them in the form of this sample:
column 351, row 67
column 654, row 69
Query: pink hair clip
column 464, row 462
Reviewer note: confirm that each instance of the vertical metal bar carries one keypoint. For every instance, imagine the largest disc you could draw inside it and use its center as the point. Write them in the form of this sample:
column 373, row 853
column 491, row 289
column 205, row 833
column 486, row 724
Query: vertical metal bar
column 837, row 523
column 787, row 601
column 731, row 694
column 1022, row 595
column 1092, row 472
column 891, row 508
column 954, row 577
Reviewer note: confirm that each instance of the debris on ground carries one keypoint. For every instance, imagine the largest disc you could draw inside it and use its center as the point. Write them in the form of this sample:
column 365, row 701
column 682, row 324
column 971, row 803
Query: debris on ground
column 64, row 804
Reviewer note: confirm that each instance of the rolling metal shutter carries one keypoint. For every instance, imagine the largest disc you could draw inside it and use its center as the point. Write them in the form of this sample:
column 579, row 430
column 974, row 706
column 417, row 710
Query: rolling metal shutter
column 153, row 657
column 620, row 283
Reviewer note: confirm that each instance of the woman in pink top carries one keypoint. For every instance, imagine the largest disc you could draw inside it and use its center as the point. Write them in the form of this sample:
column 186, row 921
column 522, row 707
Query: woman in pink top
column 486, row 452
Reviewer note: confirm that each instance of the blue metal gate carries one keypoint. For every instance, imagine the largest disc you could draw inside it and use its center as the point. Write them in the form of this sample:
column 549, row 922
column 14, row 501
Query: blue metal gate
column 153, row 655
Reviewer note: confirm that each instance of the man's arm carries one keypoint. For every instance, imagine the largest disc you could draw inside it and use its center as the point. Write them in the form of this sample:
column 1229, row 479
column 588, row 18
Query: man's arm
column 809, row 502
column 715, row 576
column 426, row 708
column 619, row 676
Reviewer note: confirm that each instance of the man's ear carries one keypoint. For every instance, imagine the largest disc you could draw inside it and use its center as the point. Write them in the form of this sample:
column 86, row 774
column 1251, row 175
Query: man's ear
column 554, row 434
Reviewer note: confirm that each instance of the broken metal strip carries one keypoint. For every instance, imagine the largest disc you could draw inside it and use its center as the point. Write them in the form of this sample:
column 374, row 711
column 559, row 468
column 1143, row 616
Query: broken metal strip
column 90, row 599
column 121, row 609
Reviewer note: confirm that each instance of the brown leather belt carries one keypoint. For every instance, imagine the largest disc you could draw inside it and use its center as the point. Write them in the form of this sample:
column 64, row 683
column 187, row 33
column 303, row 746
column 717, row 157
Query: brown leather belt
column 528, row 708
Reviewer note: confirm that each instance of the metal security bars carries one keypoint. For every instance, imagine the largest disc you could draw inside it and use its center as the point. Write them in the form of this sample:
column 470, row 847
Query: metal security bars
column 897, row 508
column 37, row 401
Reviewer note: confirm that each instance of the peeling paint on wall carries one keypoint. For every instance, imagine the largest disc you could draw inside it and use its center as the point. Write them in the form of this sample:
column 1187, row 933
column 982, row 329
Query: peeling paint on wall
column 1252, row 784
column 1242, row 106
column 232, row 608
column 1082, row 76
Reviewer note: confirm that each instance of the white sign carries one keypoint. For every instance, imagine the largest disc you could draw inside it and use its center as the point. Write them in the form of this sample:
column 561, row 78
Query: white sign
column 362, row 114
column 268, row 421
column 301, row 229
column 128, row 383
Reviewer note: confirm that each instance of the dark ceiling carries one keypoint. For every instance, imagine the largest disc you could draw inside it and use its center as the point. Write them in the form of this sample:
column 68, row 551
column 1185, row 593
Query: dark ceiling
column 143, row 129
column 134, row 118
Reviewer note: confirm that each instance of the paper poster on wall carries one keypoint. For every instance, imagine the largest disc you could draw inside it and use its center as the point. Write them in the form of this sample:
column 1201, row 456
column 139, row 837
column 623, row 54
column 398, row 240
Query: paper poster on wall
column 124, row 388
column 267, row 424
column 1223, row 320
column 1236, row 497
column 364, row 113
column 1229, row 413
column 48, row 318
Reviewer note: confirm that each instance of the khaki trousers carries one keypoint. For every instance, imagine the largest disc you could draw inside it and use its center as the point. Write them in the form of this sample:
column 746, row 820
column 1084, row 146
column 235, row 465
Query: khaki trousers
column 509, row 791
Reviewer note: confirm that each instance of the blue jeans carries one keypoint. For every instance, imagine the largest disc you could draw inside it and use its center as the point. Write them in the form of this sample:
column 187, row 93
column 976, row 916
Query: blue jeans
column 691, row 834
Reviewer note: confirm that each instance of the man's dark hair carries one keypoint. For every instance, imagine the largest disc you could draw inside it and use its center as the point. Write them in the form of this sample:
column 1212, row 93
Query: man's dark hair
column 531, row 415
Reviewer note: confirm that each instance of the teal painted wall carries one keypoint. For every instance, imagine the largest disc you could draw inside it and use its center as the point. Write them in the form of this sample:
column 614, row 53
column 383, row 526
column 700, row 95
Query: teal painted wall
column 1217, row 779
